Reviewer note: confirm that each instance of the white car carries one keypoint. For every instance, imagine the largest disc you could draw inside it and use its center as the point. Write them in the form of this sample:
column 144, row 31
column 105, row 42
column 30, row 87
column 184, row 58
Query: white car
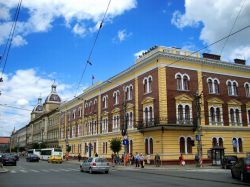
column 96, row 164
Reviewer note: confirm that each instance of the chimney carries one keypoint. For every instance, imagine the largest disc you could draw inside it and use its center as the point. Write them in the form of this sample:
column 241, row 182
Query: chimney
column 211, row 56
column 239, row 61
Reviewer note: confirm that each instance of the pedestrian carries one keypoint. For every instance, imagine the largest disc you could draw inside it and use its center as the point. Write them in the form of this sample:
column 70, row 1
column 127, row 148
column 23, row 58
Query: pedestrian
column 112, row 158
column 126, row 159
column 157, row 160
column 181, row 160
column 196, row 159
column 79, row 157
column 142, row 160
column 148, row 159
column 131, row 158
column 137, row 160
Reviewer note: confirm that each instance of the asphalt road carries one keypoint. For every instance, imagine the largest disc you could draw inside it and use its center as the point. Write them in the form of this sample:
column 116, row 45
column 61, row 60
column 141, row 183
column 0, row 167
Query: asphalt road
column 44, row 174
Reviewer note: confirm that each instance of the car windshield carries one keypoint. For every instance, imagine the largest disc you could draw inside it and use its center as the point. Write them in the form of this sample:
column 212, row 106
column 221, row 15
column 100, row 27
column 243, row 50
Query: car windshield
column 232, row 158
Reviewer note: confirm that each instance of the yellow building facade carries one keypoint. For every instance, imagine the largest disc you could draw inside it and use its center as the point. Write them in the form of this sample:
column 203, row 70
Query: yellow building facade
column 156, row 101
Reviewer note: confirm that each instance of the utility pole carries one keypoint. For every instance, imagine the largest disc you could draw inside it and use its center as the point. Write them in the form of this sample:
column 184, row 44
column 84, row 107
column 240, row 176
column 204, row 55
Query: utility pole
column 198, row 127
column 124, row 129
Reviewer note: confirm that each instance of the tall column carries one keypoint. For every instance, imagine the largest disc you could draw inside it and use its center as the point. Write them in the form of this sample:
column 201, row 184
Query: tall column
column 162, row 86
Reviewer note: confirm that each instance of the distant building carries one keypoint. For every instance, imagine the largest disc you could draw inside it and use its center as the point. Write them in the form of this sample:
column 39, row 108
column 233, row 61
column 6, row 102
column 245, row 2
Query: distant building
column 4, row 144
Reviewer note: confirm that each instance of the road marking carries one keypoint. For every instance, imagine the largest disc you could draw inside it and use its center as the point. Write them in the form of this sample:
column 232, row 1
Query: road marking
column 65, row 170
column 23, row 171
column 44, row 170
column 13, row 171
column 73, row 169
column 54, row 170
column 34, row 171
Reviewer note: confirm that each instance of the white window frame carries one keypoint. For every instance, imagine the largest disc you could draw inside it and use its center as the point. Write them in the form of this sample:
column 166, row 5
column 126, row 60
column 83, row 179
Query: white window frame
column 247, row 91
column 116, row 123
column 185, row 121
column 213, row 91
column 232, row 87
column 105, row 100
column 182, row 81
column 234, row 123
column 216, row 123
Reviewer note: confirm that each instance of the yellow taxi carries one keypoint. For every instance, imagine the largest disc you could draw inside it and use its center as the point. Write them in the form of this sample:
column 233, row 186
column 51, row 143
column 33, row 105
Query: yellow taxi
column 55, row 159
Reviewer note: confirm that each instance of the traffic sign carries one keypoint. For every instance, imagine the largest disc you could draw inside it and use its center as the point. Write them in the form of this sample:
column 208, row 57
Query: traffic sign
column 125, row 141
column 198, row 137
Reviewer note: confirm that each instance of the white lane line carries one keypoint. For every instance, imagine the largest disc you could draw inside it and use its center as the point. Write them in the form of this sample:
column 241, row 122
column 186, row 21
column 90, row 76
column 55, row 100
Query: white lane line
column 65, row 170
column 34, row 171
column 54, row 170
column 73, row 169
column 45, row 170
column 23, row 171
column 13, row 171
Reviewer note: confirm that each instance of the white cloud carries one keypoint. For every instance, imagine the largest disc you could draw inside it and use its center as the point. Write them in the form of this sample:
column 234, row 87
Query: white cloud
column 22, row 90
column 216, row 18
column 42, row 14
column 79, row 30
column 18, row 41
column 139, row 53
column 122, row 35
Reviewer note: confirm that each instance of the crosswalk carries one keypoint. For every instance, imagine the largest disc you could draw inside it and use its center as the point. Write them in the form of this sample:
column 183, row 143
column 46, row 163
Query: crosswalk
column 43, row 170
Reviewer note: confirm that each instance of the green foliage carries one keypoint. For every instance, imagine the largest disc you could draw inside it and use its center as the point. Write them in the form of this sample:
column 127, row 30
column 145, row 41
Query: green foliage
column 35, row 146
column 68, row 148
column 116, row 145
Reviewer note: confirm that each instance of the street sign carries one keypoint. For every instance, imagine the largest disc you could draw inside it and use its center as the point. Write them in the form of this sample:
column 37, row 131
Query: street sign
column 125, row 141
column 198, row 137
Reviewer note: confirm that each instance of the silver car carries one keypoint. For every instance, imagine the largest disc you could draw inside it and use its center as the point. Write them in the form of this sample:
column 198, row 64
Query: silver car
column 96, row 164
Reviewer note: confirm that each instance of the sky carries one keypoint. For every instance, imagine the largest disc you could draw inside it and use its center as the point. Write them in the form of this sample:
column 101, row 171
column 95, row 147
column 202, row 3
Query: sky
column 53, row 40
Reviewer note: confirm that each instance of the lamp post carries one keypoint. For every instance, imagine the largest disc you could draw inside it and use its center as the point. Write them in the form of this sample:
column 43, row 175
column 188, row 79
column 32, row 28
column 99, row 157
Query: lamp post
column 199, row 133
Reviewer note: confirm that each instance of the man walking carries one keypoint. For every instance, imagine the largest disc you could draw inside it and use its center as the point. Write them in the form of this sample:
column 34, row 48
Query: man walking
column 137, row 160
column 142, row 160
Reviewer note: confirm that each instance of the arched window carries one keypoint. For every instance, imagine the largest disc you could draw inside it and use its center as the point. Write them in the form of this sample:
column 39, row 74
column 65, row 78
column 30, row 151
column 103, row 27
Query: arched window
column 189, row 145
column 182, row 145
column 235, row 90
column 145, row 86
column 185, row 82
column 187, row 113
column 210, row 86
column 131, row 119
column 235, row 145
column 229, row 88
column 130, row 92
column 180, row 113
column 146, row 146
column 150, row 114
column 247, row 89
column 220, row 142
column 127, row 93
column 216, row 87
column 151, row 145
column 146, row 115
column 212, row 114
column 237, row 116
column 232, row 116
column 218, row 117
column 150, row 80
column 179, row 82
column 248, row 117
column 240, row 145
column 214, row 142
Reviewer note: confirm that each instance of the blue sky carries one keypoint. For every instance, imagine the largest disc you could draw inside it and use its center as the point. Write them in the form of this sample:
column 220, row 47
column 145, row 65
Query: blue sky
column 53, row 40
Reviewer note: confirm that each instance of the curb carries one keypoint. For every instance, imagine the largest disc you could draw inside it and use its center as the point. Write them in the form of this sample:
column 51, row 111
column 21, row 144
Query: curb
column 3, row 170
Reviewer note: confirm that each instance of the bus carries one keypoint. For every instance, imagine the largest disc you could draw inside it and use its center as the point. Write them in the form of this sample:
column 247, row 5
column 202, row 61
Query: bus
column 36, row 152
column 47, row 152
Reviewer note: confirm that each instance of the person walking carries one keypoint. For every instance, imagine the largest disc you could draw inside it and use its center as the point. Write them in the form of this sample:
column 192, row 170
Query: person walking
column 137, row 160
column 157, row 160
column 79, row 157
column 181, row 160
column 196, row 159
column 142, row 160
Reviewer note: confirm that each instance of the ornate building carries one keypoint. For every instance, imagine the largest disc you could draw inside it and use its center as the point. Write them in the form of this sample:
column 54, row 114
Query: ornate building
column 156, row 101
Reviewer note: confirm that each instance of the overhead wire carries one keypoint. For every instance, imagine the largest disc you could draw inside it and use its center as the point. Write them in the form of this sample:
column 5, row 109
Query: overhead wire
column 9, row 40
column 88, row 62
column 224, row 44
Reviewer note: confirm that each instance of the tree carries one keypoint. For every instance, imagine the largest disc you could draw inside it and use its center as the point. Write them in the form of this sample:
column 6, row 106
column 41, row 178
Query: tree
column 68, row 148
column 116, row 145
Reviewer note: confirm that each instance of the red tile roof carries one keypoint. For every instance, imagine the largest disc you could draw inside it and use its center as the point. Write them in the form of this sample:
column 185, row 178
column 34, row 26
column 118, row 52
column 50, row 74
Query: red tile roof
column 4, row 140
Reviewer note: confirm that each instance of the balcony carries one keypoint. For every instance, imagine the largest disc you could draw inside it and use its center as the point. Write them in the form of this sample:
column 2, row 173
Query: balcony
column 156, row 124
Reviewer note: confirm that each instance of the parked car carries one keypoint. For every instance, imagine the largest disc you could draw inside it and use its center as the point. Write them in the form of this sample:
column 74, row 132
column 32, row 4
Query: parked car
column 8, row 159
column 55, row 159
column 96, row 164
column 241, row 169
column 16, row 156
column 32, row 158
column 228, row 161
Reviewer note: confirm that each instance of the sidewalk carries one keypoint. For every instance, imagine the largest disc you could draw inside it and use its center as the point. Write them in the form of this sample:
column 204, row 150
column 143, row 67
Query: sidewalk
column 163, row 167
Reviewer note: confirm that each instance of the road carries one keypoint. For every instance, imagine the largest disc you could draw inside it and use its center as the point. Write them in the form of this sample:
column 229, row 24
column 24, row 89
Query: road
column 44, row 174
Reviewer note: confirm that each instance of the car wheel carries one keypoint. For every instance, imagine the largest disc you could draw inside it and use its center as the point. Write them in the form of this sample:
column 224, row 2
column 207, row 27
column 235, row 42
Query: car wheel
column 106, row 172
column 81, row 169
column 232, row 174
column 15, row 164
column 90, row 170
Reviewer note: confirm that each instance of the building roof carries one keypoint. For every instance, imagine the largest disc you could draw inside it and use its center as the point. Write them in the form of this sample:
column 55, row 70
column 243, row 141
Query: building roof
column 4, row 140
column 53, row 97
